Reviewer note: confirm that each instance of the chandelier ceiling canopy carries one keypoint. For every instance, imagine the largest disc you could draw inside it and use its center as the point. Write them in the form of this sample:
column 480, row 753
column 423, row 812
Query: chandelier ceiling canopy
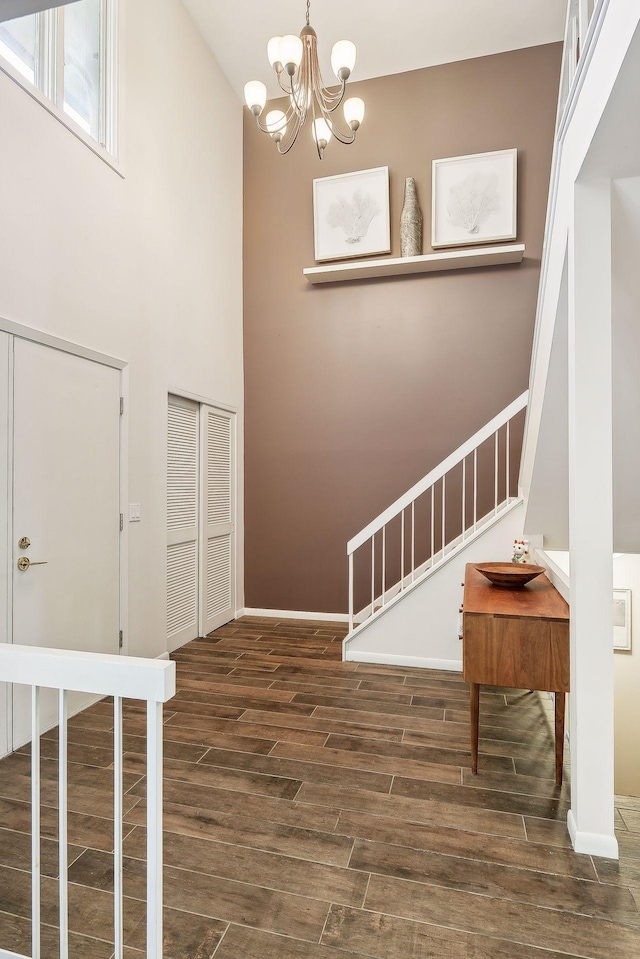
column 295, row 61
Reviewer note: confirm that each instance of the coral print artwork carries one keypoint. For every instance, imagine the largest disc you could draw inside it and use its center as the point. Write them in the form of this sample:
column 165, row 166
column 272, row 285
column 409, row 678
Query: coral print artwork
column 351, row 214
column 474, row 199
column 353, row 217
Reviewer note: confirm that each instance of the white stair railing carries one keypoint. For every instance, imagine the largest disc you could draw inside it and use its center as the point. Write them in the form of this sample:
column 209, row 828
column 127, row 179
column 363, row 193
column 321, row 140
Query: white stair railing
column 150, row 680
column 433, row 523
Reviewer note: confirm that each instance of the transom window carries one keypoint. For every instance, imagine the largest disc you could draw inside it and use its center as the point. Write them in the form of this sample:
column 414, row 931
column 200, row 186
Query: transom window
column 67, row 58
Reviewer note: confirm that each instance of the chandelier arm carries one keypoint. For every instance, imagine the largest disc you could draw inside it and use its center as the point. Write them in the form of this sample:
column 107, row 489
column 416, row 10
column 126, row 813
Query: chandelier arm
column 328, row 108
column 283, row 86
column 342, row 137
column 292, row 139
column 313, row 126
column 288, row 116
column 294, row 90
column 322, row 92
column 332, row 98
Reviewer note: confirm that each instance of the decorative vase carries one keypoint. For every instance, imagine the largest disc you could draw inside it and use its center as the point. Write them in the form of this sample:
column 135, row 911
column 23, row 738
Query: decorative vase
column 410, row 221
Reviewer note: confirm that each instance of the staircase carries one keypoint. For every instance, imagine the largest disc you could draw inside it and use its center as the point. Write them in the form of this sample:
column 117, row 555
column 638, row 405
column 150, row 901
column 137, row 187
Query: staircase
column 442, row 521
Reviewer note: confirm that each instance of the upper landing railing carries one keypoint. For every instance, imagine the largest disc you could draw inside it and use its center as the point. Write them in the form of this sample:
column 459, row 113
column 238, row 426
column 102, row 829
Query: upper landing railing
column 584, row 23
column 150, row 680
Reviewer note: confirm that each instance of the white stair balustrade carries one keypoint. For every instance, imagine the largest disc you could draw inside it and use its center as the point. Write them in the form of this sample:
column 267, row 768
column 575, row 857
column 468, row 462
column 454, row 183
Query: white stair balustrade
column 434, row 520
column 150, row 680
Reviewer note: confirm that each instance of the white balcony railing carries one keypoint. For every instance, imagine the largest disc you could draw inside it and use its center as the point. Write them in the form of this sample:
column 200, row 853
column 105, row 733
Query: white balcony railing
column 150, row 680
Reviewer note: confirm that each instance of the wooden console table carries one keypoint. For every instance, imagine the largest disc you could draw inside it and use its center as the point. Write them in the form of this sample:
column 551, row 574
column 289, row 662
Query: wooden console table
column 517, row 638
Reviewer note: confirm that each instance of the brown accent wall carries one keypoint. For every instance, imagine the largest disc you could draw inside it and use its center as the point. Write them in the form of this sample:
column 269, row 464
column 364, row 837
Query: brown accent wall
column 355, row 390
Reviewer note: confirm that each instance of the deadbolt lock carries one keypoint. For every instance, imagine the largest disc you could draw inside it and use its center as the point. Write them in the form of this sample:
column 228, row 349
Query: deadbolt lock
column 25, row 563
column 24, row 542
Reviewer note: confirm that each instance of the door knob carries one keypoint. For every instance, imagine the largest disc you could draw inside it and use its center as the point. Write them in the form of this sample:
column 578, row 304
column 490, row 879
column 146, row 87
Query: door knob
column 24, row 563
column 24, row 542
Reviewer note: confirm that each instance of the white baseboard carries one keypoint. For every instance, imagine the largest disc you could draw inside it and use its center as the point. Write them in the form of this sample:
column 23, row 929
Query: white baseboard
column 592, row 843
column 163, row 656
column 388, row 659
column 292, row 614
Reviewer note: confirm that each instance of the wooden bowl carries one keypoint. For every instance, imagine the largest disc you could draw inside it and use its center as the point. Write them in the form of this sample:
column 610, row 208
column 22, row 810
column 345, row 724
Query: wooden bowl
column 509, row 575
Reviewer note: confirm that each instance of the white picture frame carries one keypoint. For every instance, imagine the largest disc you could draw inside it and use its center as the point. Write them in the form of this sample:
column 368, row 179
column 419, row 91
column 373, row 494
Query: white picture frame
column 474, row 199
column 622, row 619
column 351, row 215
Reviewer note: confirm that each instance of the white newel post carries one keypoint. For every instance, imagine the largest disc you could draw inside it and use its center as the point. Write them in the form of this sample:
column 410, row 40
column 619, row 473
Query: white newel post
column 591, row 817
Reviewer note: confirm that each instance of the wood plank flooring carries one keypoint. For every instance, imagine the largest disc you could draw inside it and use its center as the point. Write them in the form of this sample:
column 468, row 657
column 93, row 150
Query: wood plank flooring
column 316, row 809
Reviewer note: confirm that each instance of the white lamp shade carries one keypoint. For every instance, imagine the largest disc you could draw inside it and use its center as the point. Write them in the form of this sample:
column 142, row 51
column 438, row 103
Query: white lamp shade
column 354, row 111
column 343, row 58
column 276, row 123
column 255, row 95
column 321, row 130
column 290, row 48
column 273, row 51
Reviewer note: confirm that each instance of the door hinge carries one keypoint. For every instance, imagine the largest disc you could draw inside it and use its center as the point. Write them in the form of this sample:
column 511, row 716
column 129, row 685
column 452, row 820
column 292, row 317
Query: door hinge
column 120, row 640
column 121, row 405
column 121, row 521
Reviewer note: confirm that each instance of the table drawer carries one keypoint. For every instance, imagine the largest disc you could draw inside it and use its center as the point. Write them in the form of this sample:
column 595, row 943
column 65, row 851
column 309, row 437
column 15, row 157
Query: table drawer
column 516, row 651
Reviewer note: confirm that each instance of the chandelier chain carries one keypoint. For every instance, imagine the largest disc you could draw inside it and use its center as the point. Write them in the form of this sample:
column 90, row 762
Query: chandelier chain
column 308, row 8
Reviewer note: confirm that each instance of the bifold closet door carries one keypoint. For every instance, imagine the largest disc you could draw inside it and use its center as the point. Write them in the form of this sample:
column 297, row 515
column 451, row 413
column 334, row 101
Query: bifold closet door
column 182, row 522
column 218, row 514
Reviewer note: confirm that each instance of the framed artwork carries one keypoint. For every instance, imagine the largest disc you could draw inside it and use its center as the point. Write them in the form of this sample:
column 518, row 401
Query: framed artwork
column 622, row 619
column 351, row 214
column 474, row 199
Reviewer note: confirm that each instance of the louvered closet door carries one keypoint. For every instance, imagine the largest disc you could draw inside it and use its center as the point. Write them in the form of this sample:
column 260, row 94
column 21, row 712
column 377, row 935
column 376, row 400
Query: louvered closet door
column 182, row 522
column 218, row 541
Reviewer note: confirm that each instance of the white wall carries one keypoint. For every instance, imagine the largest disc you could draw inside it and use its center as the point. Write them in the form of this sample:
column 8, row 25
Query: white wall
column 147, row 268
column 421, row 629
column 626, row 575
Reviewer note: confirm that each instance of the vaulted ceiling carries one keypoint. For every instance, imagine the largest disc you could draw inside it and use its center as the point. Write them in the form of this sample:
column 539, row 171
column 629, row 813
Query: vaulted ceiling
column 392, row 36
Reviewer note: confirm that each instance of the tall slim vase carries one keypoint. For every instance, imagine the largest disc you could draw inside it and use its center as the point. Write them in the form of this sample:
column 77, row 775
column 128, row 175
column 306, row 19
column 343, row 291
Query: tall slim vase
column 410, row 221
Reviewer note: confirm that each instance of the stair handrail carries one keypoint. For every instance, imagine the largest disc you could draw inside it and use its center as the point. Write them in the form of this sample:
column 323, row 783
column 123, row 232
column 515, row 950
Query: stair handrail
column 404, row 501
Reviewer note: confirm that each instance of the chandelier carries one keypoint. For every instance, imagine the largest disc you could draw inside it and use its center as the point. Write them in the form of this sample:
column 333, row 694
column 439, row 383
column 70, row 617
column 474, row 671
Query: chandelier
column 295, row 61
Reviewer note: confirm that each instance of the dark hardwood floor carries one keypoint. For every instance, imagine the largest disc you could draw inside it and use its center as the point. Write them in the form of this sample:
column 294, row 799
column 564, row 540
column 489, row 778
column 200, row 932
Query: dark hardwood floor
column 316, row 809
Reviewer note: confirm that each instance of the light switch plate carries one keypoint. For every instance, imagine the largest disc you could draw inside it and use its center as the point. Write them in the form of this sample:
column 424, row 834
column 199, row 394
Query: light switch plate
column 134, row 512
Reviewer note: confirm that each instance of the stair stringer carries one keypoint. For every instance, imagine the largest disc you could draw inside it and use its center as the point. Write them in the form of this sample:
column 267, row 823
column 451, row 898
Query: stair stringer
column 418, row 627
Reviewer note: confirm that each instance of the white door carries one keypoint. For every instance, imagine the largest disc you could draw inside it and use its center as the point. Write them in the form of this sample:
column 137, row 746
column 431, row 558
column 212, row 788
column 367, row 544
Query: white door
column 182, row 522
column 66, row 466
column 217, row 605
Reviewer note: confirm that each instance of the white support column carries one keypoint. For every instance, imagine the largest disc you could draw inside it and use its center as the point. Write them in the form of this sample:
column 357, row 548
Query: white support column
column 591, row 817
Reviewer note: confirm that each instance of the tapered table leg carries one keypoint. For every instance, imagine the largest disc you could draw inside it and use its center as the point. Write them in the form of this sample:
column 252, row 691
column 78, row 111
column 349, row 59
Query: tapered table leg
column 560, row 698
column 474, row 689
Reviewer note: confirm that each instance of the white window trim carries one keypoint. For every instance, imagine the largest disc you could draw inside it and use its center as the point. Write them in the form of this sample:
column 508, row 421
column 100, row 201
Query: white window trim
column 110, row 85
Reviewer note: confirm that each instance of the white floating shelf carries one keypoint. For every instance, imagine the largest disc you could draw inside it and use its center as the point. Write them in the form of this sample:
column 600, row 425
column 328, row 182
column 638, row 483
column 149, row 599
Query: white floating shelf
column 429, row 263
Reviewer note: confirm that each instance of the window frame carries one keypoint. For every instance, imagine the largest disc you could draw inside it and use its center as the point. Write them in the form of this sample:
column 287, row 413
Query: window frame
column 48, row 89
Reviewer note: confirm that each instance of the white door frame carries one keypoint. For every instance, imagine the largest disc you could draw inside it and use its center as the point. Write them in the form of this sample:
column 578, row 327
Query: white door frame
column 206, row 401
column 20, row 331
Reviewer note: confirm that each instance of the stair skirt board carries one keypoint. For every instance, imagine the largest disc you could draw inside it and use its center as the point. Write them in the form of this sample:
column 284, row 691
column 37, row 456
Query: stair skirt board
column 292, row 614
column 389, row 659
